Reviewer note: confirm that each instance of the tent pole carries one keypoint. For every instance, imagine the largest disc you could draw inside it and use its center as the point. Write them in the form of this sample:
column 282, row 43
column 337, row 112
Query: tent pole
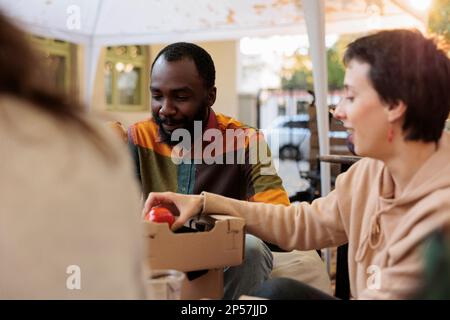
column 92, row 52
column 315, row 24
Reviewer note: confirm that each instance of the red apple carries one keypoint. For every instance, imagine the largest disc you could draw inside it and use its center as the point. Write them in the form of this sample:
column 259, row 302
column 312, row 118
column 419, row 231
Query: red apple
column 160, row 214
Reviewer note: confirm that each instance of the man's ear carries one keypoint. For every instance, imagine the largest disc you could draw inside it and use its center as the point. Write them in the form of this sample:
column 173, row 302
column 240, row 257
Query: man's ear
column 396, row 111
column 212, row 96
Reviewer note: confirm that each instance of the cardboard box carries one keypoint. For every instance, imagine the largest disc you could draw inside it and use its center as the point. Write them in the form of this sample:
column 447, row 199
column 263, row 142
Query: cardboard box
column 209, row 251
column 208, row 285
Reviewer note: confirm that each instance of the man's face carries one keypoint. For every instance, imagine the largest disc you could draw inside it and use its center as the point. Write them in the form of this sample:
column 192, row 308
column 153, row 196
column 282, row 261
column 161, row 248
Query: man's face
column 179, row 95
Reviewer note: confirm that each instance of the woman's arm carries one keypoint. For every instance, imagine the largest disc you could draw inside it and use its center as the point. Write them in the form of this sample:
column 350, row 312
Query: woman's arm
column 304, row 226
column 301, row 226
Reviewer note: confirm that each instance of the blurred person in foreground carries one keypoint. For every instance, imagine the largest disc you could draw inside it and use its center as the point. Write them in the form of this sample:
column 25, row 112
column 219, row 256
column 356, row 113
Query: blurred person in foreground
column 385, row 206
column 66, row 191
column 436, row 283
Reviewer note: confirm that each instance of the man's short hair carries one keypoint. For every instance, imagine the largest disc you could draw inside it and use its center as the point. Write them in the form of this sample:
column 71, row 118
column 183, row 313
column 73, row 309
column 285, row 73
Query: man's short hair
column 405, row 66
column 203, row 61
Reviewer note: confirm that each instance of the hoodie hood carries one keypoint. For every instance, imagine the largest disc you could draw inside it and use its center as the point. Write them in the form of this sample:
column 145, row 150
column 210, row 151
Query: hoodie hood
column 433, row 175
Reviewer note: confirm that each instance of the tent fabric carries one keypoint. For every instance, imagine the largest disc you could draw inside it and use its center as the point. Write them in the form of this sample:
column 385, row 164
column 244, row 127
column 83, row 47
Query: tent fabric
column 113, row 22
column 97, row 23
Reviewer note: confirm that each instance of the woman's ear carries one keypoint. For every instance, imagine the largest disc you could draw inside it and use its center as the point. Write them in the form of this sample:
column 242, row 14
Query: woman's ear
column 396, row 111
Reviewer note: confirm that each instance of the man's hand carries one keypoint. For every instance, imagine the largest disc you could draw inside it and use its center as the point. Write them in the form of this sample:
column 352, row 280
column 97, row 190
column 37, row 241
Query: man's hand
column 188, row 206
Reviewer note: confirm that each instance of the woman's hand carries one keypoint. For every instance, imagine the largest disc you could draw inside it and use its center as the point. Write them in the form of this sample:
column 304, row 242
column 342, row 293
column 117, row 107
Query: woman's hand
column 188, row 206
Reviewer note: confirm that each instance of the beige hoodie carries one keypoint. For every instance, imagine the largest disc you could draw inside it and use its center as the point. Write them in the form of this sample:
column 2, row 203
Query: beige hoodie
column 69, row 219
column 384, row 234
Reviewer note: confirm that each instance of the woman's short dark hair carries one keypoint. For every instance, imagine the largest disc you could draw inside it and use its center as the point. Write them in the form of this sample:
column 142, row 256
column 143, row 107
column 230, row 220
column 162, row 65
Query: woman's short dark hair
column 405, row 66
column 202, row 59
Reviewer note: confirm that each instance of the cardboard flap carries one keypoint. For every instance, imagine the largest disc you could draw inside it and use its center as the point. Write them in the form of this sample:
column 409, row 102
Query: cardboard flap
column 234, row 224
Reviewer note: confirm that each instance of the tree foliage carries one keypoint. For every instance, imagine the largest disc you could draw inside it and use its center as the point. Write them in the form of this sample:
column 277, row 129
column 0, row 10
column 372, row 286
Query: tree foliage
column 298, row 73
column 439, row 21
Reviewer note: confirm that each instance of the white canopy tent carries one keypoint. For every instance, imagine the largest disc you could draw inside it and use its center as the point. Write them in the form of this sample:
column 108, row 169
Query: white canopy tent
column 97, row 23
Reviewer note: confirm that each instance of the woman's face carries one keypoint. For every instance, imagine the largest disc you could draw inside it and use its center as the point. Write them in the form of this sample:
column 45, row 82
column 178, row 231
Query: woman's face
column 363, row 113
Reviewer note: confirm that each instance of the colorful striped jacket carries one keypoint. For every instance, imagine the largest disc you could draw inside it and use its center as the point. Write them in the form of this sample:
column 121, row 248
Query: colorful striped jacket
column 159, row 169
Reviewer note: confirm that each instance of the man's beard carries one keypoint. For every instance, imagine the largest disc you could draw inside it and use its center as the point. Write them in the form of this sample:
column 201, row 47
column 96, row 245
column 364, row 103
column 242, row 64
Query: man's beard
column 186, row 123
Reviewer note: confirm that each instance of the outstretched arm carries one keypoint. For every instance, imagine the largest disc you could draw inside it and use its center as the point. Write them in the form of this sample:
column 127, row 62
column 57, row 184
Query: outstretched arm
column 302, row 226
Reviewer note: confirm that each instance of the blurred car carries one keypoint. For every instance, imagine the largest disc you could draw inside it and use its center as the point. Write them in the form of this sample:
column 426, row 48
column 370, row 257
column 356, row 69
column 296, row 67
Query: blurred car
column 289, row 137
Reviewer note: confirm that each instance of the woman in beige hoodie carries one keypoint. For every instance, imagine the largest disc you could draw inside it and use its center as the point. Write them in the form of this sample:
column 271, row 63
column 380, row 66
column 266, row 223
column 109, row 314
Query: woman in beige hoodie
column 397, row 98
column 69, row 205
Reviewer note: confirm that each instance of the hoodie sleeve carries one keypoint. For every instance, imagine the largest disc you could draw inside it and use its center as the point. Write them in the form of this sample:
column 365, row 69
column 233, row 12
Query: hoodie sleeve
column 303, row 226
